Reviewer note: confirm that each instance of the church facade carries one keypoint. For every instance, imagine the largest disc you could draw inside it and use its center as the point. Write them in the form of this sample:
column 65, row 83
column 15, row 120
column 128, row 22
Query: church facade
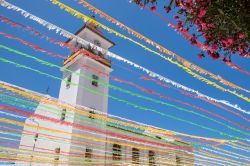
column 81, row 138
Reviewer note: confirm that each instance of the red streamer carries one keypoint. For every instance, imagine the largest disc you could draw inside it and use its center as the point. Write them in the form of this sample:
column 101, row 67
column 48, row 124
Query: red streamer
column 85, row 52
column 89, row 128
column 198, row 44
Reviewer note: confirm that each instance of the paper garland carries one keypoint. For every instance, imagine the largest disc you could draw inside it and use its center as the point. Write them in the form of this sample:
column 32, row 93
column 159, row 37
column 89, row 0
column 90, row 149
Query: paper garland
column 125, row 102
column 85, row 43
column 159, row 47
column 109, row 85
column 186, row 67
column 229, row 160
column 37, row 97
column 195, row 145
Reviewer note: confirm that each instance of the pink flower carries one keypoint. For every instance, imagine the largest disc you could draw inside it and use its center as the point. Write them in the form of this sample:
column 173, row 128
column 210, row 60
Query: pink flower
column 153, row 8
column 215, row 46
column 202, row 13
column 185, row 30
column 193, row 40
column 188, row 3
column 167, row 8
column 204, row 26
column 230, row 41
column 225, row 60
column 176, row 17
column 200, row 56
column 241, row 36
column 179, row 24
column 178, row 3
column 214, row 55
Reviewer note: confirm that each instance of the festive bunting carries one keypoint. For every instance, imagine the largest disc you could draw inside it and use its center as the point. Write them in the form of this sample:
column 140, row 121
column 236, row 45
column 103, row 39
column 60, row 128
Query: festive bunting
column 35, row 96
column 116, row 79
column 17, row 104
column 85, row 18
column 126, row 102
column 229, row 160
column 14, row 129
column 187, row 65
column 156, row 45
column 202, row 147
column 152, row 74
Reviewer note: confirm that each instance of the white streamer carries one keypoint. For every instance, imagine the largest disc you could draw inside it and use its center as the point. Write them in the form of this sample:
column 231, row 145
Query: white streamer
column 69, row 35
column 208, row 159
column 234, row 147
column 13, row 115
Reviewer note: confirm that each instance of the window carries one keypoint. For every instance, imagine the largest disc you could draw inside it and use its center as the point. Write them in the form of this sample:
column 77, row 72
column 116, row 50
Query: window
column 91, row 114
column 88, row 154
column 95, row 80
column 35, row 137
column 97, row 42
column 57, row 152
column 151, row 158
column 117, row 150
column 63, row 114
column 68, row 81
column 178, row 160
column 135, row 156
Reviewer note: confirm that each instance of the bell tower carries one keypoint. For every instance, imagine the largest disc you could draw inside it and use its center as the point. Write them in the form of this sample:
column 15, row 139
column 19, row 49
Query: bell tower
column 80, row 85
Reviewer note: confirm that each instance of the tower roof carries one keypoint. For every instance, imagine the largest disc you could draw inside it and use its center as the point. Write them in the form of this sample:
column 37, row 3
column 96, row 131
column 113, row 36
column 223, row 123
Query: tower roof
column 93, row 27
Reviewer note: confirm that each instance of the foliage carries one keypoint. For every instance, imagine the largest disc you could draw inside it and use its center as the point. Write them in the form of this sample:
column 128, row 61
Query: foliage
column 224, row 24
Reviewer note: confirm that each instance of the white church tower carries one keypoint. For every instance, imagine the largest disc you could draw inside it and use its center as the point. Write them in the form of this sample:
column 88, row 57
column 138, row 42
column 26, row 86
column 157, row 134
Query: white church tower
column 82, row 64
column 70, row 132
column 81, row 85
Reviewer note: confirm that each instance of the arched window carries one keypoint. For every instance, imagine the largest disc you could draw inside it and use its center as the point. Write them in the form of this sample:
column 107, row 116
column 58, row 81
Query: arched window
column 63, row 114
column 95, row 79
column 178, row 161
column 88, row 154
column 68, row 81
column 117, row 152
column 135, row 156
column 151, row 158
column 57, row 152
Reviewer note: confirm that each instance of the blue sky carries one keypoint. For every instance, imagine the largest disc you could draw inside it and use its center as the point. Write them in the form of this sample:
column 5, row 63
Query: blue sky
column 147, row 24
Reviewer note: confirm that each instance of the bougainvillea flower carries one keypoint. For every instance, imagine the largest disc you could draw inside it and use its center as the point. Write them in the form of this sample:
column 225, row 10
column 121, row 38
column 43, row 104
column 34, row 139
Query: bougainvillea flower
column 241, row 36
column 202, row 13
column 167, row 8
column 153, row 8
column 200, row 56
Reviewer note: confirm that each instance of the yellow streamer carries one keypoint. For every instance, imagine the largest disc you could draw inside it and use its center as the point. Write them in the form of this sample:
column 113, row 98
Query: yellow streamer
column 186, row 66
column 82, row 136
column 80, row 111
column 158, row 46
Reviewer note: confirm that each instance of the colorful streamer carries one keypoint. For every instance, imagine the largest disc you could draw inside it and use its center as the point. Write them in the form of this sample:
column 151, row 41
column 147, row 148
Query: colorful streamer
column 37, row 97
column 115, row 79
column 124, row 101
column 152, row 74
column 156, row 45
column 86, row 120
column 117, row 88
column 186, row 67
column 198, row 44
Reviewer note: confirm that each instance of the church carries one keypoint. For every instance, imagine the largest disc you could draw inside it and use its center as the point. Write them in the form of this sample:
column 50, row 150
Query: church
column 83, row 137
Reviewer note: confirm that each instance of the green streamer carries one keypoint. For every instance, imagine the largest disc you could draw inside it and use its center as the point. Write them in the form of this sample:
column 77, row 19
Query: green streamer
column 123, row 101
column 121, row 89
